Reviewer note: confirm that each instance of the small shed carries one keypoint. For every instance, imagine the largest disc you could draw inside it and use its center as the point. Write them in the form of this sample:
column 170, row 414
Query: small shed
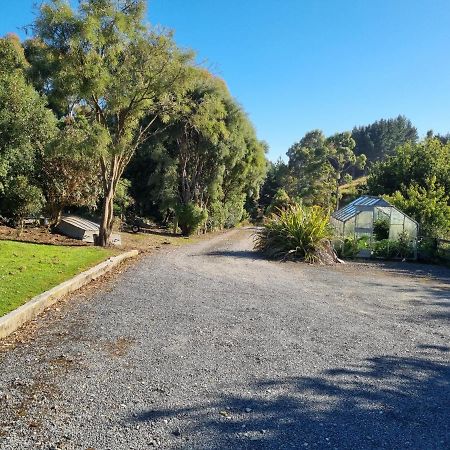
column 82, row 229
column 357, row 219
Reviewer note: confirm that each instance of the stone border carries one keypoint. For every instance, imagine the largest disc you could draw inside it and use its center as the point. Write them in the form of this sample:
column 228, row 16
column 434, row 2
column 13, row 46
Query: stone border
column 15, row 319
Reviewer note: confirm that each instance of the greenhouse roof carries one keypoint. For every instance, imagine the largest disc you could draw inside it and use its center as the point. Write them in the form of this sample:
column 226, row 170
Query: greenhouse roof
column 354, row 208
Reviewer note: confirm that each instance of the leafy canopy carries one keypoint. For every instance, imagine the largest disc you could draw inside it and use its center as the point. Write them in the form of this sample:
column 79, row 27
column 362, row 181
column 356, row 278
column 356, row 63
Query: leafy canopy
column 429, row 205
column 411, row 163
column 26, row 127
column 103, row 62
column 208, row 157
column 318, row 166
column 380, row 139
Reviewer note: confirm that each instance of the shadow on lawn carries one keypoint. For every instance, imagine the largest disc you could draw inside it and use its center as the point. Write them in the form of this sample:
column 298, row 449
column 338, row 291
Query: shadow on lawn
column 384, row 402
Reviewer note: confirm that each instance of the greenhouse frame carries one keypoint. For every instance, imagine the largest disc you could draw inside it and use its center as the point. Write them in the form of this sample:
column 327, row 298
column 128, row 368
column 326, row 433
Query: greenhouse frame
column 357, row 219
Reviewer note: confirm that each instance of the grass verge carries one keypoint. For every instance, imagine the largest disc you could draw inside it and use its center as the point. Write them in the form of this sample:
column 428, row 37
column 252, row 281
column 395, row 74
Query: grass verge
column 27, row 270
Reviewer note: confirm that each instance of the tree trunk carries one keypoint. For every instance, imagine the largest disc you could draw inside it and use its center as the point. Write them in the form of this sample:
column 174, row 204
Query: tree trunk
column 107, row 218
column 337, row 196
column 55, row 212
column 111, row 176
column 338, row 181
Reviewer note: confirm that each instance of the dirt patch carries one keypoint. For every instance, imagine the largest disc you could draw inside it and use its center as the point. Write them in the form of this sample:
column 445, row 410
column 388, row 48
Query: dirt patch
column 144, row 242
column 37, row 235
column 120, row 347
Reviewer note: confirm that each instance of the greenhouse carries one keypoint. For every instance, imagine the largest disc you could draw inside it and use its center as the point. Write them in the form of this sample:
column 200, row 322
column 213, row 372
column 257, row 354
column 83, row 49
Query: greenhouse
column 368, row 217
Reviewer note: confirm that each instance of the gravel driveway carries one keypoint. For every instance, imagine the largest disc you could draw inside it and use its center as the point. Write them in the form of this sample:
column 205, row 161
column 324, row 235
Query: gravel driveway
column 210, row 347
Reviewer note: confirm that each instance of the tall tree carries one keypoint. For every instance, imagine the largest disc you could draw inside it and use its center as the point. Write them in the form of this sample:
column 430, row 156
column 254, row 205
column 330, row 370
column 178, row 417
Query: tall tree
column 208, row 160
column 103, row 62
column 443, row 138
column 309, row 170
column 380, row 139
column 319, row 165
column 198, row 133
column 70, row 171
column 341, row 156
column 26, row 127
column 274, row 181
column 244, row 164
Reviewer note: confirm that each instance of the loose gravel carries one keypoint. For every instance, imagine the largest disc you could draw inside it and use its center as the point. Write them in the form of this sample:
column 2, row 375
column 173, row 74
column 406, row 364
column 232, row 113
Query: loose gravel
column 211, row 347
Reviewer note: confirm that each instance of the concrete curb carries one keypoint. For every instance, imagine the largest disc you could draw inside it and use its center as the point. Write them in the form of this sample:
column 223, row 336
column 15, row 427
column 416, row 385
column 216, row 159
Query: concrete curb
column 13, row 320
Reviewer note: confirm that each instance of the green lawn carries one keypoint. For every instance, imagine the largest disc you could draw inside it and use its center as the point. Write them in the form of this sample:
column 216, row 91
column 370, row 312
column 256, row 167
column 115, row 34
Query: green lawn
column 27, row 270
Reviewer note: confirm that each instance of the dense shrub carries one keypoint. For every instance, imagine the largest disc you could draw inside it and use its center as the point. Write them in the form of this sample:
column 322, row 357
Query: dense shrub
column 350, row 247
column 381, row 229
column 391, row 249
column 416, row 179
column 281, row 200
column 21, row 199
column 190, row 217
column 429, row 205
column 433, row 250
column 297, row 232
column 411, row 164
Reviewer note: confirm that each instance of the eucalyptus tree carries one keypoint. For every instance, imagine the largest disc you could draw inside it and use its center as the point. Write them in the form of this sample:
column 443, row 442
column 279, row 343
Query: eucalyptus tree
column 207, row 162
column 198, row 132
column 318, row 166
column 341, row 157
column 245, row 165
column 103, row 62
column 221, row 163
column 309, row 170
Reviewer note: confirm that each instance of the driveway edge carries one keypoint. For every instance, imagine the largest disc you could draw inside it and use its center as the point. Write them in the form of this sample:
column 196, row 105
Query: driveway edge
column 15, row 319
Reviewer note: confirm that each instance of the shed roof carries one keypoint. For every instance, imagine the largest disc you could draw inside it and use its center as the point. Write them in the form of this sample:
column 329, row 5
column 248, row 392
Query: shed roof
column 78, row 222
column 353, row 208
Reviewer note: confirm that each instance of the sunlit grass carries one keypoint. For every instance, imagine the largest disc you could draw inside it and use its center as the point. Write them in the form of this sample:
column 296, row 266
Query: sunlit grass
column 27, row 270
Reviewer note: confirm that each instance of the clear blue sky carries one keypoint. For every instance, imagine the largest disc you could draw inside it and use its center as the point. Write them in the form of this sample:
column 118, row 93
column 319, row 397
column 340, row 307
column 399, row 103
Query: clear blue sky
column 297, row 65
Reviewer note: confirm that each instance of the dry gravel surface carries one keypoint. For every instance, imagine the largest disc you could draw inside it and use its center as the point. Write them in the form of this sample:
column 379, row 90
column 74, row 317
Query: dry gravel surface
column 209, row 346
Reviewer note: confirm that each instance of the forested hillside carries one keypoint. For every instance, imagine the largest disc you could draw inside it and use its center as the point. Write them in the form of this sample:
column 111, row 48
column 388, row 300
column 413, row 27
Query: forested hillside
column 412, row 174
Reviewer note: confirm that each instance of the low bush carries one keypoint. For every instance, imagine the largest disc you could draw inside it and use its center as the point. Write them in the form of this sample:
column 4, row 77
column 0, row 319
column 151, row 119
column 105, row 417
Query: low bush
column 21, row 199
column 190, row 217
column 296, row 232
column 390, row 249
column 281, row 200
column 350, row 247
column 433, row 250
column 427, row 249
column 381, row 229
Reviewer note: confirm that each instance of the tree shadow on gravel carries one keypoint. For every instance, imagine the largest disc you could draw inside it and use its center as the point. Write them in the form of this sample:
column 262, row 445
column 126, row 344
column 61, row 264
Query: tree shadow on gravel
column 415, row 270
column 384, row 402
column 436, row 304
column 430, row 289
column 244, row 254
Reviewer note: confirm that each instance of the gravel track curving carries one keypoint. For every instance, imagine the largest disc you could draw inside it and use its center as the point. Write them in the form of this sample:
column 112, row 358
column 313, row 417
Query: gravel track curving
column 211, row 347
